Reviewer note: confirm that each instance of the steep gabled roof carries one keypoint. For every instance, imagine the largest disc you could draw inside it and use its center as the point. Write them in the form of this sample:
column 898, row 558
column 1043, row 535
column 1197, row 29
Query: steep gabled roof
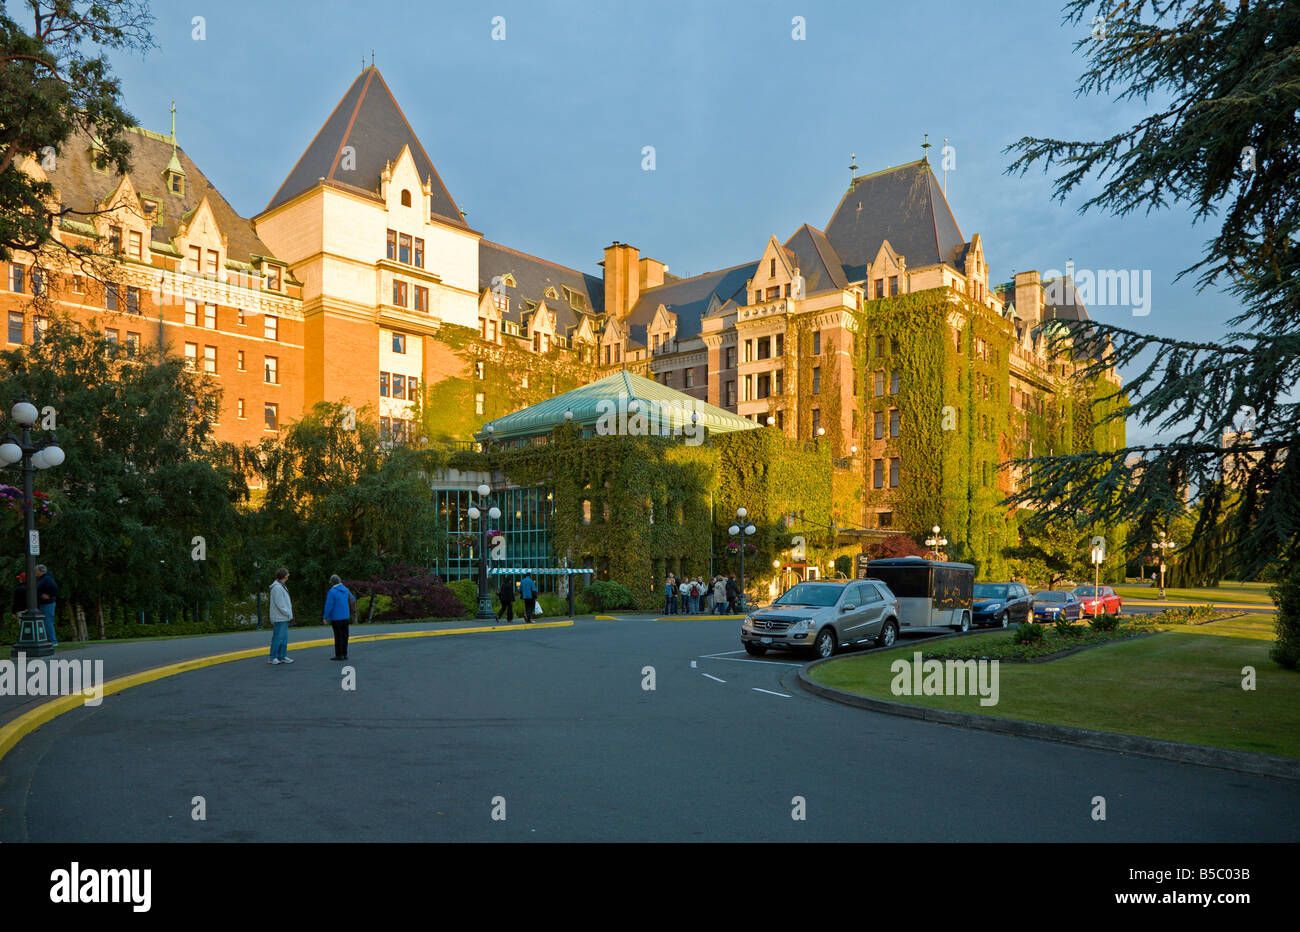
column 820, row 266
column 904, row 205
column 83, row 188
column 688, row 298
column 369, row 120
column 532, row 277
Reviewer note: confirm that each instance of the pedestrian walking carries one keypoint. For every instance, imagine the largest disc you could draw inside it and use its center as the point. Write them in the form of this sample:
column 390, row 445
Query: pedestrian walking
column 340, row 606
column 720, row 594
column 733, row 594
column 507, row 596
column 281, row 615
column 528, row 590
column 670, row 591
column 47, row 593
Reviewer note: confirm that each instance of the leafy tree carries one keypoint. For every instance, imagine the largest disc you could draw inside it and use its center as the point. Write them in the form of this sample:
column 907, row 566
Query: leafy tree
column 138, row 484
column 1224, row 139
column 55, row 83
column 340, row 500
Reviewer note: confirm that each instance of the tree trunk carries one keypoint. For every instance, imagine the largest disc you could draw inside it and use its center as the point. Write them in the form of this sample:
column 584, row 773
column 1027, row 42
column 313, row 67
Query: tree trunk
column 99, row 614
column 79, row 622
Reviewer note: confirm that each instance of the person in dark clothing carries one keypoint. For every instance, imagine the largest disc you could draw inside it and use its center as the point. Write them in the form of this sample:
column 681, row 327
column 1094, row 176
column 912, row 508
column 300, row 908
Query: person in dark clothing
column 47, row 593
column 507, row 596
column 20, row 594
column 528, row 590
column 733, row 594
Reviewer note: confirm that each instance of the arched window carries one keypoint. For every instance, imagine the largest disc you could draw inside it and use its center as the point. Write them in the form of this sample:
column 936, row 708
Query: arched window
column 406, row 198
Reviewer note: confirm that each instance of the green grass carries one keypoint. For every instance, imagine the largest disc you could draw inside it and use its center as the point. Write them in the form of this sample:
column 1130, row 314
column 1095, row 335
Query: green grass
column 1252, row 593
column 1183, row 684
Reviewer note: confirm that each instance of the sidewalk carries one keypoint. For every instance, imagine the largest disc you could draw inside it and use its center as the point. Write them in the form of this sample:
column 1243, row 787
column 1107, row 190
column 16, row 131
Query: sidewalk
column 124, row 657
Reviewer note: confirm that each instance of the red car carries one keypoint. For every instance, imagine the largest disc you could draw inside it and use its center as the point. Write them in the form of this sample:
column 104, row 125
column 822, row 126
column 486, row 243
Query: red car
column 1098, row 600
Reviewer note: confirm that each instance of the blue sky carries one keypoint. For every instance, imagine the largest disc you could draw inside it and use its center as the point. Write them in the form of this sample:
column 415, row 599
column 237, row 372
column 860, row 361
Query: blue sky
column 539, row 137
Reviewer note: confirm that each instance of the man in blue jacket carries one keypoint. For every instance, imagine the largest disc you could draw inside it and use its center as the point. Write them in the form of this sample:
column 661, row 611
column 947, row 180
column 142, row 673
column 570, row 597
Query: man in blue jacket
column 528, row 592
column 339, row 603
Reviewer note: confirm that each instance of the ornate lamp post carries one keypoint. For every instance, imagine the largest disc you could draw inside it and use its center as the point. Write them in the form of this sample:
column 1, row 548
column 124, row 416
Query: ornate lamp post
column 44, row 453
column 935, row 542
column 1161, row 547
column 741, row 530
column 482, row 512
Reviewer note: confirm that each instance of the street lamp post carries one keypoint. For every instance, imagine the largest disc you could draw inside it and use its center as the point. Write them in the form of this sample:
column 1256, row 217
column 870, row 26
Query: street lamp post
column 1161, row 547
column 741, row 530
column 43, row 453
column 482, row 513
column 935, row 542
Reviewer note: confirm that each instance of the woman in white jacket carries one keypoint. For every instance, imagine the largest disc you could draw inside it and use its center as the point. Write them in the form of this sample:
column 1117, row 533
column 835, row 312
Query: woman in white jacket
column 281, row 615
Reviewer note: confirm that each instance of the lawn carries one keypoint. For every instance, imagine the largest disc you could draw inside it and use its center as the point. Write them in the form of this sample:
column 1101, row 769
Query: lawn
column 1234, row 592
column 1183, row 684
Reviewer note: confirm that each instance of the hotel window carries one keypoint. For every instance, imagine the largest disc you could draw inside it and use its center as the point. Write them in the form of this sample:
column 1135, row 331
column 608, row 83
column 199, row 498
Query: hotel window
column 191, row 314
column 78, row 285
column 771, row 271
column 196, row 258
column 880, row 287
column 885, row 519
column 270, row 370
column 817, row 342
column 893, row 286
column 758, row 296
column 774, row 292
column 111, row 336
column 894, row 422
column 879, row 387
column 191, row 355
column 271, row 327
column 816, row 421
column 764, row 348
column 817, row 380
column 479, row 371
column 780, row 345
column 879, row 421
column 239, row 409
column 764, row 385
column 383, row 385
column 880, row 346
column 110, row 297
column 730, row 358
column 747, row 388
column 115, row 239
column 895, row 380
column 399, row 293
column 404, row 248
column 16, row 274
column 273, row 277
column 893, row 346
column 877, row 474
column 419, row 252
column 239, row 360
column 523, row 382
column 15, row 327
column 210, row 359
column 895, row 465
column 478, row 402
column 39, row 326
column 212, row 262
column 150, row 211
column 271, row 414
column 780, row 390
column 132, row 343
column 399, row 387
column 731, row 394
column 210, row 316
column 406, row 198
column 132, row 299
column 399, row 343
column 385, row 428
column 749, row 351
column 136, row 248
column 421, row 299
column 412, row 385
column 392, row 244
column 690, row 378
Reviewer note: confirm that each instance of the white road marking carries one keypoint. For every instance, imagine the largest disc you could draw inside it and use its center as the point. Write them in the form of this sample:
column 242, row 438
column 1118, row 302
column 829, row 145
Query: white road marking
column 777, row 663
column 692, row 664
column 714, row 678
column 769, row 692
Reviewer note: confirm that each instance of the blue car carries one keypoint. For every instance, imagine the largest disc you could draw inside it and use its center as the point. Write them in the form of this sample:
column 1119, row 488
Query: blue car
column 1053, row 604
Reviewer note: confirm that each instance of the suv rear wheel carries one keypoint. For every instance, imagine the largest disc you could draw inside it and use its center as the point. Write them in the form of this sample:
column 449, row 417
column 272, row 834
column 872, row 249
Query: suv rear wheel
column 888, row 634
column 824, row 646
column 755, row 650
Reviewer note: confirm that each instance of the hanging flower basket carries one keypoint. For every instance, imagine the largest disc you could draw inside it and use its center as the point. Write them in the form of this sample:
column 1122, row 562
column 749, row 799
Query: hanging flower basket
column 734, row 547
column 12, row 499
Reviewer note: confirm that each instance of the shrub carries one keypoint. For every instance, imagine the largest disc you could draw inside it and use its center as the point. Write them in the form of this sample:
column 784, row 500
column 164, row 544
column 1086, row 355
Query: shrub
column 414, row 593
column 605, row 596
column 1030, row 632
column 467, row 591
column 553, row 606
column 383, row 604
column 1065, row 627
column 1105, row 622
column 1286, row 648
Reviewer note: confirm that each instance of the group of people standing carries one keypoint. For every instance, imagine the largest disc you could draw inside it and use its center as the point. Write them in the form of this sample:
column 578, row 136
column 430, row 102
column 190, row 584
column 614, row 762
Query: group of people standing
column 47, row 595
column 340, row 609
column 689, row 596
column 527, row 592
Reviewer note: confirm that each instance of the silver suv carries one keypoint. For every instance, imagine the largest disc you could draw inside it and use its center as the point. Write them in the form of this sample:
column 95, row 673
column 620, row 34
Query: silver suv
column 823, row 615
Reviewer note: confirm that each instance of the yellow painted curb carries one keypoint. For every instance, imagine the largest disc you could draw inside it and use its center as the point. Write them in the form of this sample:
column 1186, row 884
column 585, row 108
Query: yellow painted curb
column 606, row 618
column 701, row 617
column 14, row 731
column 1149, row 603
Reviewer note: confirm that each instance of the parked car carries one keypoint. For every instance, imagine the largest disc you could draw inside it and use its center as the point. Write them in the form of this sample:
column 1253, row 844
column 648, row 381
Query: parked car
column 1052, row 604
column 1099, row 600
column 824, row 616
column 1002, row 603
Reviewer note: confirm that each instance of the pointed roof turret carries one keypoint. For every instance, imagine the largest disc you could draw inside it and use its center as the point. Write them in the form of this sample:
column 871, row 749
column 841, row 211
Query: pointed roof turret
column 369, row 121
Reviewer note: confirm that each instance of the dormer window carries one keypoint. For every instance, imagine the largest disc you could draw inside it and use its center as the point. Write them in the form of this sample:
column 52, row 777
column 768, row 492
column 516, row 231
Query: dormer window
column 406, row 198
column 273, row 278
column 150, row 211
column 176, row 183
column 577, row 300
column 552, row 293
column 771, row 273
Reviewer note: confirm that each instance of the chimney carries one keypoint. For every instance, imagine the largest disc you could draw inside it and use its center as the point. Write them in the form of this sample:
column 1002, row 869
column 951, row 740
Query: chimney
column 622, row 279
column 1029, row 297
column 651, row 273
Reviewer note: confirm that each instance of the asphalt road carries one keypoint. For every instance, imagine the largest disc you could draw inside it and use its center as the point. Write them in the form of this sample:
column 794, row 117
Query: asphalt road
column 554, row 727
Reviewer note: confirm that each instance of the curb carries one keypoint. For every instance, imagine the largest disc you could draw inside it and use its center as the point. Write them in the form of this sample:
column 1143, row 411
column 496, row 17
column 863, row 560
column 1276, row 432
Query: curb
column 22, row 725
column 1266, row 765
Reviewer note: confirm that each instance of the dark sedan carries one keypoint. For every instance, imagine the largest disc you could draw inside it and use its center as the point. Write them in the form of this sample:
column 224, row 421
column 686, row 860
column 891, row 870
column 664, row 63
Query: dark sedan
column 1052, row 605
column 1001, row 603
